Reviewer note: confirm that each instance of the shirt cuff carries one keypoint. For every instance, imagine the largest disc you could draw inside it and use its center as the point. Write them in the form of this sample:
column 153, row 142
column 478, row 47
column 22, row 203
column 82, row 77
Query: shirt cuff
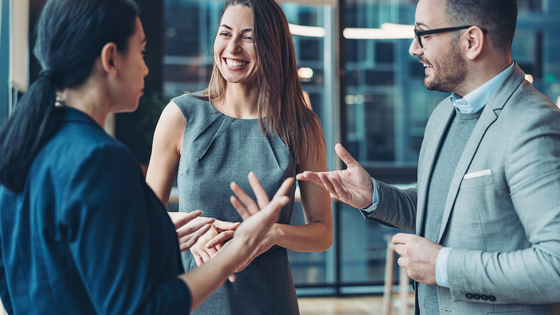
column 374, row 199
column 441, row 267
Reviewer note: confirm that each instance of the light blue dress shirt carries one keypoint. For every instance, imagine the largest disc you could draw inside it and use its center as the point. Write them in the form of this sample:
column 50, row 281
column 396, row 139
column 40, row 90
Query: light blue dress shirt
column 470, row 103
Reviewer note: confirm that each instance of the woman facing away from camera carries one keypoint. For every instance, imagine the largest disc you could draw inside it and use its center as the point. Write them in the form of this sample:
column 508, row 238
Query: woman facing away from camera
column 80, row 230
column 252, row 117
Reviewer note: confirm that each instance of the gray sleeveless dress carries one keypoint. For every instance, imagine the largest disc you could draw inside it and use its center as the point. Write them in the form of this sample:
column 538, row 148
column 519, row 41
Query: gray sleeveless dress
column 218, row 149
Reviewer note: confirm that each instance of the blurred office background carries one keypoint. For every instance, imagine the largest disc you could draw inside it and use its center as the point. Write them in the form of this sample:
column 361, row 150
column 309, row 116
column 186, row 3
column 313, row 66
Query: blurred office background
column 365, row 87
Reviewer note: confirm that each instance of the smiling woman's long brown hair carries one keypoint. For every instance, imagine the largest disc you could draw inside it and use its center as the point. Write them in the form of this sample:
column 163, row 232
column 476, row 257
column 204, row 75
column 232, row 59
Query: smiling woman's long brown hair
column 280, row 101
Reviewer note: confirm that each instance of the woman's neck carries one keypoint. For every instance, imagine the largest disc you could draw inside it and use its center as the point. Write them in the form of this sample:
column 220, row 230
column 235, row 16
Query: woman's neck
column 239, row 101
column 88, row 98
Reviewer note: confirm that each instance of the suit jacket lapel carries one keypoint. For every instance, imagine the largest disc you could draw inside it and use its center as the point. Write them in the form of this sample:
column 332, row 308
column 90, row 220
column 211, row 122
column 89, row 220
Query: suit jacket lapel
column 443, row 115
column 488, row 116
column 485, row 120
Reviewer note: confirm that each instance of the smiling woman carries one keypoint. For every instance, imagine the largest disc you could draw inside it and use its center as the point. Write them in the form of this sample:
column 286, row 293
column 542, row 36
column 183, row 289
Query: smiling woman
column 251, row 118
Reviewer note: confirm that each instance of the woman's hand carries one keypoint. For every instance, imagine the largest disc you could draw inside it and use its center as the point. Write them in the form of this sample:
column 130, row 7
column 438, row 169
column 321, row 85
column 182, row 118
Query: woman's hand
column 199, row 251
column 225, row 230
column 189, row 227
column 260, row 238
column 268, row 241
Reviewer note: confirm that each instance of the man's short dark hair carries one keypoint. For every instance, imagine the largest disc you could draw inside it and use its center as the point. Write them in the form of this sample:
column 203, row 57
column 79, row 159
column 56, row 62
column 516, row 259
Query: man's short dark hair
column 499, row 17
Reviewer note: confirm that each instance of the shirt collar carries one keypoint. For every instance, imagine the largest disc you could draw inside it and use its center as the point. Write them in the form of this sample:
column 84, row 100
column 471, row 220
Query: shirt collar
column 477, row 99
column 75, row 115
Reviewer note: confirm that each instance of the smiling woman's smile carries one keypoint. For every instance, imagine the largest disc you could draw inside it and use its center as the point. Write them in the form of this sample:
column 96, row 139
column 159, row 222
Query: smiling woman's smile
column 235, row 63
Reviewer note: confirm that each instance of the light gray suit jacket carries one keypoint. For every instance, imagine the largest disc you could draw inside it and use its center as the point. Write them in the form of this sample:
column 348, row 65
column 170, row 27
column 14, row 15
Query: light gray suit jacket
column 504, row 227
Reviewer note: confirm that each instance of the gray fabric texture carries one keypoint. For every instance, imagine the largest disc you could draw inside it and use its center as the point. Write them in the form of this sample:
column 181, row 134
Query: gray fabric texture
column 218, row 149
column 450, row 152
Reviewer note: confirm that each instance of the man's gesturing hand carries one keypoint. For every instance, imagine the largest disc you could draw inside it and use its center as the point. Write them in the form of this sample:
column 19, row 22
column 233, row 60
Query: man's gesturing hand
column 352, row 186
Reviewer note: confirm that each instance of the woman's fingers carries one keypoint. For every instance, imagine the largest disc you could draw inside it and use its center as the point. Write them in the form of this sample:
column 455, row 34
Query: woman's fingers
column 205, row 255
column 198, row 260
column 285, row 188
column 187, row 241
column 258, row 190
column 194, row 226
column 272, row 210
column 239, row 207
column 220, row 239
column 225, row 226
column 249, row 204
column 180, row 219
column 246, row 206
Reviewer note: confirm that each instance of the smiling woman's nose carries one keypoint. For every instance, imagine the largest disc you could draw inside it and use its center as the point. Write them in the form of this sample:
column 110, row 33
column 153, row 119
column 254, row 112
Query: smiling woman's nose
column 235, row 46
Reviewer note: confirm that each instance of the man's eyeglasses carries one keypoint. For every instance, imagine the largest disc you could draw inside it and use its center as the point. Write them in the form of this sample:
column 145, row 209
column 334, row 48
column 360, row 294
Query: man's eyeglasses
column 418, row 34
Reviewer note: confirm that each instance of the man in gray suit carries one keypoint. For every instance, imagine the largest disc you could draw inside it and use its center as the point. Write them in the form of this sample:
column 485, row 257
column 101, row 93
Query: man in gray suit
column 486, row 208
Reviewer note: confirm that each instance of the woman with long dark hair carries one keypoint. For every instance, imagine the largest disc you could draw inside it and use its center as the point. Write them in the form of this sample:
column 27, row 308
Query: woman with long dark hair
column 252, row 117
column 80, row 231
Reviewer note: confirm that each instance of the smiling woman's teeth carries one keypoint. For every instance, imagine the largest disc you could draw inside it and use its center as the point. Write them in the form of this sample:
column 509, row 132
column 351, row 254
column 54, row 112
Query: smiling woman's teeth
column 232, row 63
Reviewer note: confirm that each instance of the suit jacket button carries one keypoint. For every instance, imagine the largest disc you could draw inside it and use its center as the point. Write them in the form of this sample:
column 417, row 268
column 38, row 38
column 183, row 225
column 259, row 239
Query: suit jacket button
column 484, row 297
column 469, row 295
column 476, row 296
column 492, row 298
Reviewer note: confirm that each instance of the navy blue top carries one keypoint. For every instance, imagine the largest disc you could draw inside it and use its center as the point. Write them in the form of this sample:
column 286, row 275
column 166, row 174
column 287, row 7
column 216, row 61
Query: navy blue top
column 87, row 235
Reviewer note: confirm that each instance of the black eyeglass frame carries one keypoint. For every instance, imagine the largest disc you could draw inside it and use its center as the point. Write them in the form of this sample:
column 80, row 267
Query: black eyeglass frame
column 418, row 34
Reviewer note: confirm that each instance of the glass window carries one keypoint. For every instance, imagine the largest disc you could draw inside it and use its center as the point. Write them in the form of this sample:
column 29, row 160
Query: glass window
column 529, row 5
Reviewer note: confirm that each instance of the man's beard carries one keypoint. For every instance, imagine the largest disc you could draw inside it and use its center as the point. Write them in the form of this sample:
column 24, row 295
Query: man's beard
column 452, row 71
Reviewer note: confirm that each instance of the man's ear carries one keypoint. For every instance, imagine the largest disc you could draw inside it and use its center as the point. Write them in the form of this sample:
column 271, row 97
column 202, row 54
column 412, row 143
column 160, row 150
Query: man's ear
column 475, row 42
column 109, row 58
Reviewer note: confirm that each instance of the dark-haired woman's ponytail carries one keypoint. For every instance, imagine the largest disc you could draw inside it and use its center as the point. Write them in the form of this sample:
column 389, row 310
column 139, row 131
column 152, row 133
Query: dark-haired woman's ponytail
column 34, row 121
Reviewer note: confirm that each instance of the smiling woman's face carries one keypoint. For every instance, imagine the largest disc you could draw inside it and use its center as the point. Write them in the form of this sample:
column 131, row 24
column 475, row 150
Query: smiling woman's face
column 234, row 51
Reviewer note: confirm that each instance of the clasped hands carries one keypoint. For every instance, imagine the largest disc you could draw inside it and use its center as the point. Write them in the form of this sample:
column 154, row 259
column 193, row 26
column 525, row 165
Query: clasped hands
column 354, row 187
column 205, row 237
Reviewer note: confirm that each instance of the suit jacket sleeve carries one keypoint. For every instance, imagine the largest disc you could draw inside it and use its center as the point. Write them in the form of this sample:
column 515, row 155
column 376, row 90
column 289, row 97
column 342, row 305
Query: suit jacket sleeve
column 532, row 173
column 107, row 222
column 396, row 208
